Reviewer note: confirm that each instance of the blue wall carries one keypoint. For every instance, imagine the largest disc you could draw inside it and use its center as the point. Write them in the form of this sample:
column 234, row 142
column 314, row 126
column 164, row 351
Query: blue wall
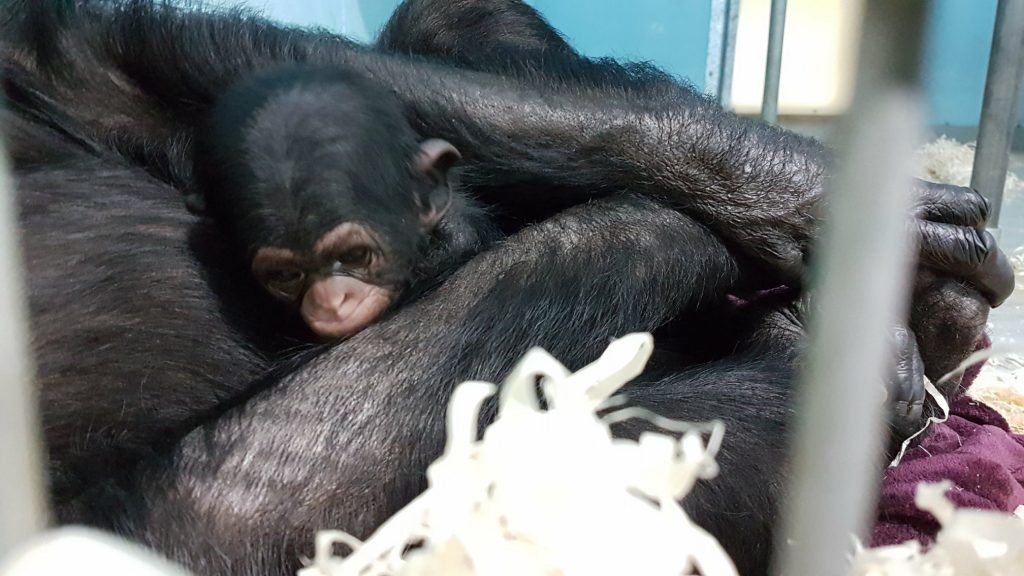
column 671, row 33
column 958, row 44
column 674, row 33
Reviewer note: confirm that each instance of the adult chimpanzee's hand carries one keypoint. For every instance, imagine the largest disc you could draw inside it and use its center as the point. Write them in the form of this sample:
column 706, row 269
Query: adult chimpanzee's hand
column 961, row 277
column 948, row 223
column 951, row 223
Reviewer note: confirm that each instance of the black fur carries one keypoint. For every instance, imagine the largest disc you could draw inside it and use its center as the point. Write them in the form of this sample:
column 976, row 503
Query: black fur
column 145, row 73
column 290, row 154
column 228, row 457
column 120, row 308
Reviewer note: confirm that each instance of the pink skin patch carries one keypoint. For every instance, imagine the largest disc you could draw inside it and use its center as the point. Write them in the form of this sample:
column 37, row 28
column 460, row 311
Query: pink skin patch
column 340, row 306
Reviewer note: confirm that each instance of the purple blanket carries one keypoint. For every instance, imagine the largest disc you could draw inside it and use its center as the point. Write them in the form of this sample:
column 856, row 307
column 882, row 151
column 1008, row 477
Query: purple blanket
column 974, row 449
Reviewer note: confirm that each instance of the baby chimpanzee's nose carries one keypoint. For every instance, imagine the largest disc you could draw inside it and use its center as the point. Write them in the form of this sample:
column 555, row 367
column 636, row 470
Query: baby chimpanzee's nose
column 340, row 306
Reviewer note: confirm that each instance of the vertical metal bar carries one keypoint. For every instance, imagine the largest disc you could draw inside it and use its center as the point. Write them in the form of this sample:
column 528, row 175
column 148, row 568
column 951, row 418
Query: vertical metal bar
column 861, row 283
column 999, row 110
column 773, row 66
column 22, row 501
column 721, row 49
column 716, row 39
column 729, row 53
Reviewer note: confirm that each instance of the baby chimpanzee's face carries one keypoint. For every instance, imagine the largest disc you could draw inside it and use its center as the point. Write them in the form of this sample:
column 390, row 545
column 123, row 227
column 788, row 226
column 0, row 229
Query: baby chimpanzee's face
column 355, row 228
column 340, row 285
column 318, row 176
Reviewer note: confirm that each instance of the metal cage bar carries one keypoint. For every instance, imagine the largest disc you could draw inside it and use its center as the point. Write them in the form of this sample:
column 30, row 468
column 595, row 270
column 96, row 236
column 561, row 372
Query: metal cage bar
column 23, row 510
column 999, row 109
column 773, row 66
column 725, row 16
column 861, row 285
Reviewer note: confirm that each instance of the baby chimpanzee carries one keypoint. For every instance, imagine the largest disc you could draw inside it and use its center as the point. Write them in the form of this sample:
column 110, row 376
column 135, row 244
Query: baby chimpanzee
column 317, row 176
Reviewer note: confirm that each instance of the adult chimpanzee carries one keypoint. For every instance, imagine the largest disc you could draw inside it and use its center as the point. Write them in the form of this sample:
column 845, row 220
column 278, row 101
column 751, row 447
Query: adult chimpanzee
column 510, row 37
column 342, row 440
column 318, row 180
column 154, row 71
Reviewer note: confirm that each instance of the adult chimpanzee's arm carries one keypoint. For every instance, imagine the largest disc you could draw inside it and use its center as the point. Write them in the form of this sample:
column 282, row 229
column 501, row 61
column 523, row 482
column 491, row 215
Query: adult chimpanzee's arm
column 133, row 345
column 509, row 36
column 344, row 442
column 757, row 185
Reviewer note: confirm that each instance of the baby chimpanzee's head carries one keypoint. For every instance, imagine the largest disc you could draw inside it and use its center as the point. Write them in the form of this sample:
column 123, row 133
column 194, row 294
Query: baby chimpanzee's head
column 316, row 174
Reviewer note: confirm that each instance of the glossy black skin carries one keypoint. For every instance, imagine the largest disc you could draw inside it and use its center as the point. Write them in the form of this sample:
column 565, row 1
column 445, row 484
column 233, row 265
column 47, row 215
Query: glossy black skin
column 232, row 461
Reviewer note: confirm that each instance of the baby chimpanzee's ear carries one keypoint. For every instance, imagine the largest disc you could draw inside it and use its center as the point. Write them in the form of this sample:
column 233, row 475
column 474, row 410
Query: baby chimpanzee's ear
column 436, row 157
column 434, row 205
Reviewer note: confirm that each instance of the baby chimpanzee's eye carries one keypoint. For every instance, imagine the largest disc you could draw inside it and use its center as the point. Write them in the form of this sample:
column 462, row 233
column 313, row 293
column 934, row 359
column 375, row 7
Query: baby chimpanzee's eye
column 285, row 283
column 358, row 257
column 284, row 276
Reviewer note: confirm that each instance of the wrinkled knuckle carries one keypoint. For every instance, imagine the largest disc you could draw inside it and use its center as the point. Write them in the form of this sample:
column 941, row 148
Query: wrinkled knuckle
column 976, row 248
column 922, row 205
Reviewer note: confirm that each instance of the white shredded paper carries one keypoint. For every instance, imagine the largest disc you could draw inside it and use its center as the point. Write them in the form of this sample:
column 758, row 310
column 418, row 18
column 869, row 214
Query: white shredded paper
column 971, row 543
column 549, row 491
column 950, row 161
